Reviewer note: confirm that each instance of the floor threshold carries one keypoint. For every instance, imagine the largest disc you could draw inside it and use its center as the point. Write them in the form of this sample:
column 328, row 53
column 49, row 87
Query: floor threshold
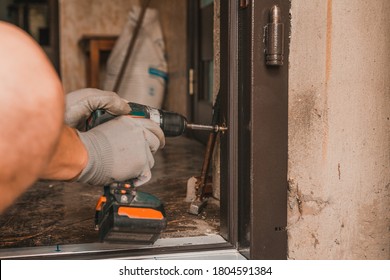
column 199, row 247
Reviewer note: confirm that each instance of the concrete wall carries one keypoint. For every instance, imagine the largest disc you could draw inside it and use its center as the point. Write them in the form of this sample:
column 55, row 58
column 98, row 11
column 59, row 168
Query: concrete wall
column 78, row 18
column 339, row 130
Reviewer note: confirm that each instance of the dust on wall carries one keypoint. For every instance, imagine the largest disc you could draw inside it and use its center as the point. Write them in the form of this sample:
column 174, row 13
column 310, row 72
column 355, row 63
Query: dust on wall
column 339, row 130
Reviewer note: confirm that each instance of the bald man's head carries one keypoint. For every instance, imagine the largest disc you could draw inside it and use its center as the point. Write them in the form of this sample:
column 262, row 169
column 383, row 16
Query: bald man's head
column 31, row 112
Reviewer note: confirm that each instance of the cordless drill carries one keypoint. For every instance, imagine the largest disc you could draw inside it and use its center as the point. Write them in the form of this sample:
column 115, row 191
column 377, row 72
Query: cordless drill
column 172, row 124
column 124, row 214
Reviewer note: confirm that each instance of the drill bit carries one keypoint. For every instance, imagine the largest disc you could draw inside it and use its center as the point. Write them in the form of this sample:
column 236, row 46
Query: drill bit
column 215, row 128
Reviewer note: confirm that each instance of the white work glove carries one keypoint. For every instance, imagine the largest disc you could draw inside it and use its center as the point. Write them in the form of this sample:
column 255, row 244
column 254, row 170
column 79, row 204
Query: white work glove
column 121, row 149
column 81, row 103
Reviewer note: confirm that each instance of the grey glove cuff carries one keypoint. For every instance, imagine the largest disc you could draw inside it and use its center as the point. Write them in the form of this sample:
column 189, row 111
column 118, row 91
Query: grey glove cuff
column 100, row 160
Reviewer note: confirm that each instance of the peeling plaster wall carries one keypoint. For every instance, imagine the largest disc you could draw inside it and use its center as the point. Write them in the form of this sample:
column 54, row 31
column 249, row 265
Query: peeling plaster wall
column 339, row 130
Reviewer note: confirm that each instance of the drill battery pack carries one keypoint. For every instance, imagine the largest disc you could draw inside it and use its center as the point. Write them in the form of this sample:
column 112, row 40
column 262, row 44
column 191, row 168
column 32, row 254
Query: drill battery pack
column 126, row 215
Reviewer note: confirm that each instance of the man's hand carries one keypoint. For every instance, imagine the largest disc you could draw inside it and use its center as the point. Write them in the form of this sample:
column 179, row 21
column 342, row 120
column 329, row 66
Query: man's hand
column 121, row 149
column 81, row 103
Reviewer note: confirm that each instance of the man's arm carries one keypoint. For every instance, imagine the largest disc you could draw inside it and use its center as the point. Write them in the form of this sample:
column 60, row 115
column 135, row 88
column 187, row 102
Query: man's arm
column 118, row 150
column 31, row 108
column 69, row 159
column 35, row 143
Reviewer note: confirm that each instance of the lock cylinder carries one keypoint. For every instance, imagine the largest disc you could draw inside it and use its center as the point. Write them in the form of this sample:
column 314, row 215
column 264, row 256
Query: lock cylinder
column 274, row 38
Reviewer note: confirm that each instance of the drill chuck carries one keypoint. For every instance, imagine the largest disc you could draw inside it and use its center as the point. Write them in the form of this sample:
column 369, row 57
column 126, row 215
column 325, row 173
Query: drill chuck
column 172, row 124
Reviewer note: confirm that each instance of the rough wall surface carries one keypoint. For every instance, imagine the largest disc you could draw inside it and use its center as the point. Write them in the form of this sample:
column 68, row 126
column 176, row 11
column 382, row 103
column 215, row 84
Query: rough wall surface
column 339, row 130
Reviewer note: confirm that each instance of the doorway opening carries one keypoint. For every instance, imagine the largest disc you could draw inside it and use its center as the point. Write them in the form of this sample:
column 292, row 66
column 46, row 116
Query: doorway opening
column 52, row 213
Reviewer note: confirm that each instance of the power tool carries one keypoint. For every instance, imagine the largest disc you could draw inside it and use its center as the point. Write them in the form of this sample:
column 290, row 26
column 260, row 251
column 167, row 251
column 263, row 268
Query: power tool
column 124, row 214
column 172, row 124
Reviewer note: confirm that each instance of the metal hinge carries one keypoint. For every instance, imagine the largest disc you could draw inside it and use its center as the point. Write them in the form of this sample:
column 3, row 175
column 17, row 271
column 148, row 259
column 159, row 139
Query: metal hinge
column 274, row 38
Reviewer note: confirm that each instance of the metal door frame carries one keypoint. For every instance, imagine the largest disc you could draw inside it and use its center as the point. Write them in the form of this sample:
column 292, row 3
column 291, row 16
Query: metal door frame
column 255, row 103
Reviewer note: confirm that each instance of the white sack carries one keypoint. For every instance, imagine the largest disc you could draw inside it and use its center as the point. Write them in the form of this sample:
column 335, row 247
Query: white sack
column 145, row 76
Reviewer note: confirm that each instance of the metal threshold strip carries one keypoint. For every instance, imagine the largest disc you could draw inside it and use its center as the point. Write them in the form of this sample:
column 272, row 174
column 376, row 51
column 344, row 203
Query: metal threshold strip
column 200, row 247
